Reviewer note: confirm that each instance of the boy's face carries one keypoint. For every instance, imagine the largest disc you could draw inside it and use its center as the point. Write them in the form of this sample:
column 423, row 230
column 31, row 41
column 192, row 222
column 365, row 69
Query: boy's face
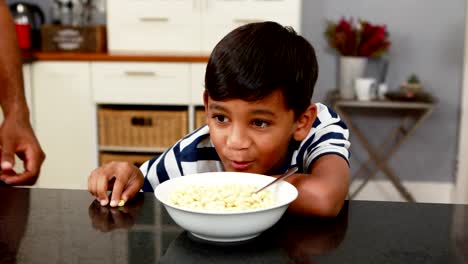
column 254, row 136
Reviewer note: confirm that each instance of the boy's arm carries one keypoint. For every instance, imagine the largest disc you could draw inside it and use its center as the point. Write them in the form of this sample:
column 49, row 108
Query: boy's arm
column 323, row 191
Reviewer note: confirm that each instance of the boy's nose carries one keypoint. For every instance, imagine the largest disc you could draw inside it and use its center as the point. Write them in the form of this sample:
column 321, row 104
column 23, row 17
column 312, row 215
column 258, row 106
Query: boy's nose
column 238, row 138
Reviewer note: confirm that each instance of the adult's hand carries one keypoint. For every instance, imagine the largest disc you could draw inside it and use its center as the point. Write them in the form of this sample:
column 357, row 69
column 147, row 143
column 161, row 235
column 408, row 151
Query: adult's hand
column 17, row 137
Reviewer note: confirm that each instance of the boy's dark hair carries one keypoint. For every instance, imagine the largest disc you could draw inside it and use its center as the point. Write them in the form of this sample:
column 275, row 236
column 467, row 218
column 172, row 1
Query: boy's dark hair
column 254, row 60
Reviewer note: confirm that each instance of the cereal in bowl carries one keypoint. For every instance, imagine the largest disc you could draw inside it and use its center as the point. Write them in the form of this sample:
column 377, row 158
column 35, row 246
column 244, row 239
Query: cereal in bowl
column 228, row 197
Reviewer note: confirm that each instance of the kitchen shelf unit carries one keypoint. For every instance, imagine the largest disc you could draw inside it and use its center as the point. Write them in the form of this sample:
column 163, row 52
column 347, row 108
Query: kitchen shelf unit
column 164, row 95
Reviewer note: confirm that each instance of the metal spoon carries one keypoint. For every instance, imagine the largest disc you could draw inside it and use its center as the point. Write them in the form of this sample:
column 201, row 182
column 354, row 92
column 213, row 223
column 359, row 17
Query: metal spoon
column 288, row 173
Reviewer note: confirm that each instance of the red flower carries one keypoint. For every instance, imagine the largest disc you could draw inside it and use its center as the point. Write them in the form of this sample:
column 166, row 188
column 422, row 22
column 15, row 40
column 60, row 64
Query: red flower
column 362, row 39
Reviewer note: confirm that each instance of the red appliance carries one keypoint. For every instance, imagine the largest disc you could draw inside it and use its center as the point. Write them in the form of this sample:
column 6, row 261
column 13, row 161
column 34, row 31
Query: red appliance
column 28, row 19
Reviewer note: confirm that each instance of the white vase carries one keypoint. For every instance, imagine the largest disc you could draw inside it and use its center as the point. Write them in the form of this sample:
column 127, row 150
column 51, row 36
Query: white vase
column 351, row 68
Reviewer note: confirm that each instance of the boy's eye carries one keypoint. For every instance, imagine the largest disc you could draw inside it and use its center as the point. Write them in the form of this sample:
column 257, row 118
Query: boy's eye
column 260, row 123
column 220, row 118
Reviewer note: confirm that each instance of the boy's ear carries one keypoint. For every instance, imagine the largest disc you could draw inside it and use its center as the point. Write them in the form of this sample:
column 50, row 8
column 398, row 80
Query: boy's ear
column 304, row 123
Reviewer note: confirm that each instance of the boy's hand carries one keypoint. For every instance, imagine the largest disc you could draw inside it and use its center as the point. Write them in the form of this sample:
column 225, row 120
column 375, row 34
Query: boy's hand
column 122, row 178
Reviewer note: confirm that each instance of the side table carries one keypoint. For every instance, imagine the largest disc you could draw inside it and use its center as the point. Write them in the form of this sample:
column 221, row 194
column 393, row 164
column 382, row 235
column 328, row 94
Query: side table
column 413, row 114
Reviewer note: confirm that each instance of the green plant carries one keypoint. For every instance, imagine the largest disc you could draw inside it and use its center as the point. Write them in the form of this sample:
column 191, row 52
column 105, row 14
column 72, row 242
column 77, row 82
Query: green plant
column 413, row 79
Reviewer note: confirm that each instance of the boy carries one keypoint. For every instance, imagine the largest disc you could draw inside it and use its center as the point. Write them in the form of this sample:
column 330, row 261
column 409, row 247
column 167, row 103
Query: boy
column 258, row 87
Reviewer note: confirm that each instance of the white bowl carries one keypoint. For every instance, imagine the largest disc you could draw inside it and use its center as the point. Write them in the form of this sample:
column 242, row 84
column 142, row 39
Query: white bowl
column 227, row 226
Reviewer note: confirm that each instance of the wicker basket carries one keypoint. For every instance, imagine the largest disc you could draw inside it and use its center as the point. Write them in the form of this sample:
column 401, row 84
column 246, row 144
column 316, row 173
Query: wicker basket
column 200, row 119
column 141, row 128
column 135, row 159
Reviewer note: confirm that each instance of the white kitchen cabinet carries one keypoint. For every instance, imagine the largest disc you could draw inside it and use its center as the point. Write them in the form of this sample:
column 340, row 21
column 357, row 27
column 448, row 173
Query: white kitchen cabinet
column 153, row 25
column 219, row 17
column 160, row 83
column 163, row 88
column 65, row 123
column 192, row 26
column 65, row 96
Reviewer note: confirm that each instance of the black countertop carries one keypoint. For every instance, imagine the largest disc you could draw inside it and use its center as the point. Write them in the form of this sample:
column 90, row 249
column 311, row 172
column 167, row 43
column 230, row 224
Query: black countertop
column 68, row 226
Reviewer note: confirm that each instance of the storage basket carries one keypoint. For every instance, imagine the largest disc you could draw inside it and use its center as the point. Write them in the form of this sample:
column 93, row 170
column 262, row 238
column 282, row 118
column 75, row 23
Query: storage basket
column 200, row 119
column 141, row 128
column 135, row 159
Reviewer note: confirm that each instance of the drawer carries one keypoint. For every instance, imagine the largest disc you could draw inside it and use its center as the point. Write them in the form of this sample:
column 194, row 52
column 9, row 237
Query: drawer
column 154, row 37
column 141, row 127
column 145, row 26
column 215, row 27
column 141, row 83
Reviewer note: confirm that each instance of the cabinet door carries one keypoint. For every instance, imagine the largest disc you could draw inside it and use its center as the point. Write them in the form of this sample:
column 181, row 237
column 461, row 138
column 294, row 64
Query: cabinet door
column 219, row 17
column 153, row 25
column 65, row 123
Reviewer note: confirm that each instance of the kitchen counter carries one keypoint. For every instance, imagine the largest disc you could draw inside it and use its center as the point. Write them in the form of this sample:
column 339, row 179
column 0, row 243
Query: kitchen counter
column 137, row 57
column 68, row 226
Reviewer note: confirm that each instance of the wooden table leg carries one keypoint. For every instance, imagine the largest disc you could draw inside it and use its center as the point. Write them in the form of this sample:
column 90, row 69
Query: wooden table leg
column 381, row 163
column 372, row 172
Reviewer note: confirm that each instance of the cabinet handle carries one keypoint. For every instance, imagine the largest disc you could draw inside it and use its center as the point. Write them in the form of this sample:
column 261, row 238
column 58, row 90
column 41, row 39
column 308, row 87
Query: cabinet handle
column 140, row 73
column 246, row 21
column 141, row 121
column 154, row 19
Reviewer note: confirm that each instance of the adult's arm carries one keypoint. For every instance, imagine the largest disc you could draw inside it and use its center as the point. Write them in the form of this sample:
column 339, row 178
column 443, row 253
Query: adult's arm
column 16, row 134
column 12, row 97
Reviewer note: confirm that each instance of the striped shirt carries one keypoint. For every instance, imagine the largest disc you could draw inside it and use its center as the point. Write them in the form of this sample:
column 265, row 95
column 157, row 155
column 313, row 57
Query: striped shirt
column 195, row 152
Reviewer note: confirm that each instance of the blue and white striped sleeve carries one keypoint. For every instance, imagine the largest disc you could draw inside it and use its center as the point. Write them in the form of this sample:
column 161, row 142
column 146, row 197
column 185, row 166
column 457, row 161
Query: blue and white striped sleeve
column 329, row 135
column 170, row 164
column 161, row 168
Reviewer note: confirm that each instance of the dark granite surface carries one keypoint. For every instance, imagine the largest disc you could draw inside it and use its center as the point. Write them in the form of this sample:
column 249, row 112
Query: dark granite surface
column 67, row 226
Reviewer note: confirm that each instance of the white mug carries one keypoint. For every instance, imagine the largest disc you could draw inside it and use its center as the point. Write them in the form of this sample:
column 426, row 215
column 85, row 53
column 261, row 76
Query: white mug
column 365, row 88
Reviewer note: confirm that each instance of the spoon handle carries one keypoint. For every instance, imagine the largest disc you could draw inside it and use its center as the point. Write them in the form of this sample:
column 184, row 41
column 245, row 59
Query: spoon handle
column 288, row 173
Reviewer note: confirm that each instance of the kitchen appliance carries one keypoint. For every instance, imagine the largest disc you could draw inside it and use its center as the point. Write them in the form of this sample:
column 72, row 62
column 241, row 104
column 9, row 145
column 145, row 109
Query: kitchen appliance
column 28, row 19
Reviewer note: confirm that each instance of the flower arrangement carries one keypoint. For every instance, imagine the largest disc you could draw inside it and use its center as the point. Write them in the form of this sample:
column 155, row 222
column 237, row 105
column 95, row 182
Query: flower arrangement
column 361, row 39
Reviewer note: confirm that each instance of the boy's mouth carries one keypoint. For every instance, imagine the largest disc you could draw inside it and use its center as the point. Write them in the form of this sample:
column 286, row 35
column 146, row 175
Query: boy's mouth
column 241, row 165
